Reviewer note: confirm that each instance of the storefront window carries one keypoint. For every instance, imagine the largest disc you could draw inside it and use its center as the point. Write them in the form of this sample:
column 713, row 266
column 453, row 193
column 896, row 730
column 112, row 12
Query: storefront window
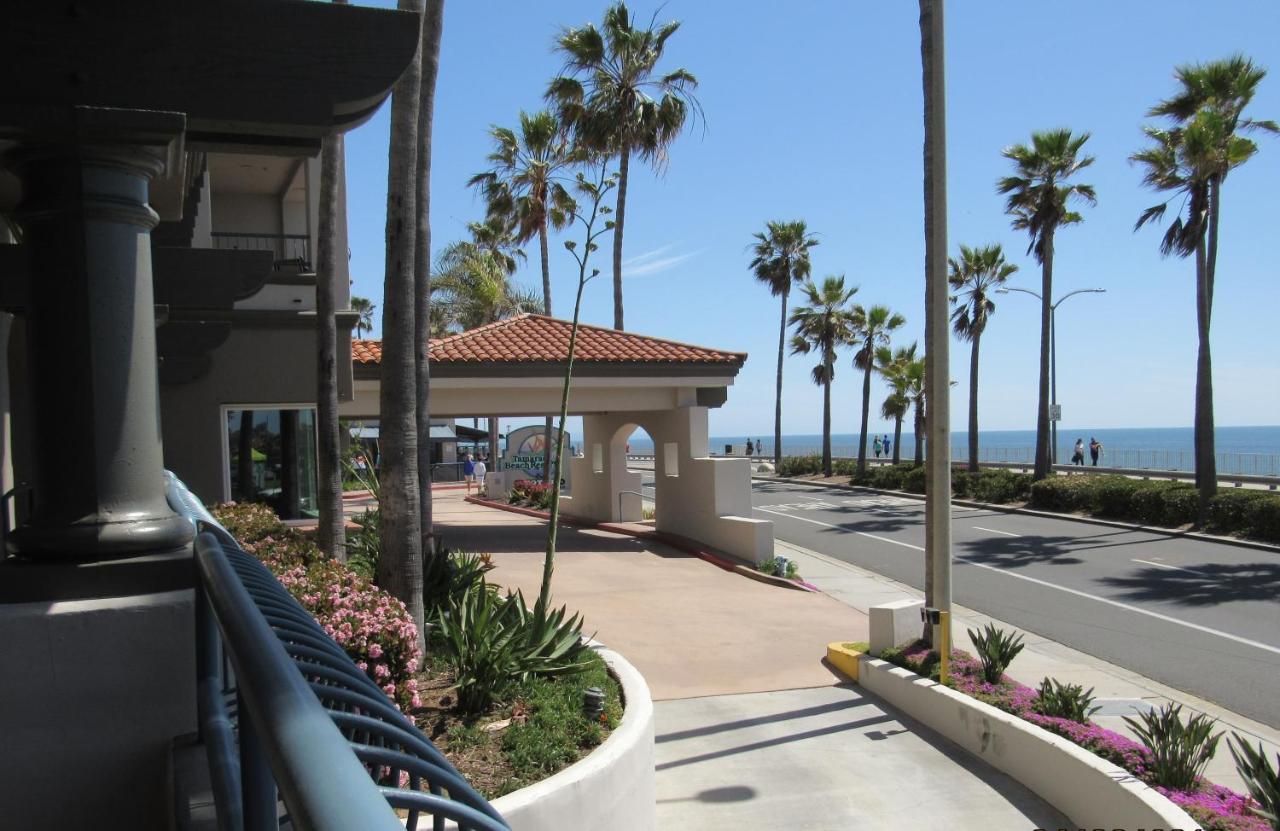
column 272, row 459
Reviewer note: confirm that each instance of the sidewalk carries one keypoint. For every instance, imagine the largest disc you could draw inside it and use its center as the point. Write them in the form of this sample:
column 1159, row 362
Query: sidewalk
column 1119, row 691
column 753, row 729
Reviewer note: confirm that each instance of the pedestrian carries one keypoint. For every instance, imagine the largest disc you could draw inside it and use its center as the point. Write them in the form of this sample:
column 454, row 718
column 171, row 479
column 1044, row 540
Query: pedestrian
column 1095, row 450
column 759, row 448
column 878, row 447
column 1077, row 458
column 888, row 446
column 751, row 448
column 480, row 470
column 468, row 470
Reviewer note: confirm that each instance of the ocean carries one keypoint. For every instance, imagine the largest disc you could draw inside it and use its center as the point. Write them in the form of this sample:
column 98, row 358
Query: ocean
column 1244, row 450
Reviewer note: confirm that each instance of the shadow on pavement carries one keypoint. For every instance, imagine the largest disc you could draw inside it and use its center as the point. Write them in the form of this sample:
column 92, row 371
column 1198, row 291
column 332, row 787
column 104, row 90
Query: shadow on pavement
column 1207, row 584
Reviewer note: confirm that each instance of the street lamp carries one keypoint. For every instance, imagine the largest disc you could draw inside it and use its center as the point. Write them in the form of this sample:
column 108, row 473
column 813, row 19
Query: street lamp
column 1053, row 354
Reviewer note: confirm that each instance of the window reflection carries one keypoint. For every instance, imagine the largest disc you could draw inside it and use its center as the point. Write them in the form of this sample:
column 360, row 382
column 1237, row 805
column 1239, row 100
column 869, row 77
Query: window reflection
column 273, row 459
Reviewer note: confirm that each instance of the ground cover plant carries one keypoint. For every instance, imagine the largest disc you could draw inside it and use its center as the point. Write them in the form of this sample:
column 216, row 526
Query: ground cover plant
column 1066, row 712
column 530, row 494
column 780, row 567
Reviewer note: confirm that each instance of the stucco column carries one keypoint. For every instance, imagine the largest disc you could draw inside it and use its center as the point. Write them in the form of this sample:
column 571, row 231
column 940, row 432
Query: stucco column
column 96, row 456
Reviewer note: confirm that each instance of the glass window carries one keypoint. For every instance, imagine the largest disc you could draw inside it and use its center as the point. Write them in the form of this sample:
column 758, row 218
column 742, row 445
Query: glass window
column 272, row 459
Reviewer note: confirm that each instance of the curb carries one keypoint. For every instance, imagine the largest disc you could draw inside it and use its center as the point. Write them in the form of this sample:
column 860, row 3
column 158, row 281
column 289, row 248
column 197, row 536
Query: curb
column 1089, row 520
column 670, row 540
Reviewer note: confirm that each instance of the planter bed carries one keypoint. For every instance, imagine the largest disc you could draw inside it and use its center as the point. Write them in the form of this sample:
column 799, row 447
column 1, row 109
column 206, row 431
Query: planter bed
column 1095, row 776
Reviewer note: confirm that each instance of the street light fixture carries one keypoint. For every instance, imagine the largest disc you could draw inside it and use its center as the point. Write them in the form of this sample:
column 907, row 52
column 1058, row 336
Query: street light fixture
column 1053, row 353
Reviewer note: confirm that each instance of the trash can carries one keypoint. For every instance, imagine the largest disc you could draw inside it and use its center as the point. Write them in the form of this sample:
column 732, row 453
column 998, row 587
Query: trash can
column 728, row 450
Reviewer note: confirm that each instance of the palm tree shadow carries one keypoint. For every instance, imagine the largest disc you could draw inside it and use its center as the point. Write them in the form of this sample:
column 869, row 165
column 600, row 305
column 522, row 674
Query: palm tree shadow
column 1022, row 551
column 1207, row 584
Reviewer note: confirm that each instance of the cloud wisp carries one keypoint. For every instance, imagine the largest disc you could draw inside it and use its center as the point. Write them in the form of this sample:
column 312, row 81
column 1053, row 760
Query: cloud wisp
column 652, row 262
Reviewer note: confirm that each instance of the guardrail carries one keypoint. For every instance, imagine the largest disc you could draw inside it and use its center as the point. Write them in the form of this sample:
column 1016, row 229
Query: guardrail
column 286, row 716
column 287, row 249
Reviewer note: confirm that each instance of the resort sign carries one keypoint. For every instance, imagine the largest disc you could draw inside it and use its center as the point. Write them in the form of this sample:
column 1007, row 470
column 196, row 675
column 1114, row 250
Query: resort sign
column 527, row 450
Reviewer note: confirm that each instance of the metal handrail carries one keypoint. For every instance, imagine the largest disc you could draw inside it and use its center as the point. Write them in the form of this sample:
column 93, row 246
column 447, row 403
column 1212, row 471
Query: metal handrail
column 304, row 718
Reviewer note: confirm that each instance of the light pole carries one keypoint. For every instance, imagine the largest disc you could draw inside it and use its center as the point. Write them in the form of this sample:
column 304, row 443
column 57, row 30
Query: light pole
column 1053, row 354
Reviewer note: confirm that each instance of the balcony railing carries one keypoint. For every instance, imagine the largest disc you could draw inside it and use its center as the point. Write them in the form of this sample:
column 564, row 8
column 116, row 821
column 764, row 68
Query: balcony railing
column 287, row 249
column 287, row 717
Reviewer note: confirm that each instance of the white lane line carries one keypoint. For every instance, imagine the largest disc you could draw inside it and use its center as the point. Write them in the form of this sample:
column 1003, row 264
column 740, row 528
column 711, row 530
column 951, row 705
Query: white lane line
column 996, row 531
column 839, row 528
column 1116, row 603
column 810, row 498
column 1169, row 567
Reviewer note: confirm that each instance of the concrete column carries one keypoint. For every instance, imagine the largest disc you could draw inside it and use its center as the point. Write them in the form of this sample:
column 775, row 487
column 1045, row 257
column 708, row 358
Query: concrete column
column 98, row 482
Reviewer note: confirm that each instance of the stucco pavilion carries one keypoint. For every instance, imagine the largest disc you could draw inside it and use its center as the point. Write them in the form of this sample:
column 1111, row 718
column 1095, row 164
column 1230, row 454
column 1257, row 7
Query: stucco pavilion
column 621, row 381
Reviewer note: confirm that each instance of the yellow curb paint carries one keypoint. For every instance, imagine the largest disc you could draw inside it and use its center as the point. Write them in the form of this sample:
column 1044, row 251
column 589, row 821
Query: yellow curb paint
column 844, row 658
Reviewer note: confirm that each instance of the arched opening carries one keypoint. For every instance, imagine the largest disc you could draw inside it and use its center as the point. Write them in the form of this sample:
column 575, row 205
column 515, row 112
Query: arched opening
column 649, row 464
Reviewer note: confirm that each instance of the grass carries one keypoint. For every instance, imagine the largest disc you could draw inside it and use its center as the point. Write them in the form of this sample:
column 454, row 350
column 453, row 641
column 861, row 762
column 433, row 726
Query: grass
column 537, row 729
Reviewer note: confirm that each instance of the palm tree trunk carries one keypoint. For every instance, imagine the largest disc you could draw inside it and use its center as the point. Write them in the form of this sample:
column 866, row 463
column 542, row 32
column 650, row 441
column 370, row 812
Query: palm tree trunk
column 777, row 403
column 1206, row 266
column 919, row 428
column 549, row 461
column 432, row 23
column 973, row 405
column 331, row 532
column 619, row 216
column 1044, row 457
column 826, row 418
column 866, row 411
column 897, row 439
column 493, row 443
column 400, row 529
column 244, row 455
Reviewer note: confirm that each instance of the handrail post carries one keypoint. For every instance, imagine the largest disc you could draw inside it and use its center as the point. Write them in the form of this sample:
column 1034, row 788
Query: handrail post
column 258, row 785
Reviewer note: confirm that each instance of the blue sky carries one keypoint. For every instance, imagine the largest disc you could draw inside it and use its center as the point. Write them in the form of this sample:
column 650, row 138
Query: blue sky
column 815, row 114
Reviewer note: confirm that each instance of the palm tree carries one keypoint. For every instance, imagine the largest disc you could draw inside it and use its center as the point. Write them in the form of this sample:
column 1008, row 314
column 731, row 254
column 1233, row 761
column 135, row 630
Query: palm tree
column 977, row 273
column 781, row 261
column 893, row 365
column 496, row 235
column 912, row 385
column 363, row 307
column 400, row 528
column 429, row 53
column 524, row 188
column 872, row 328
column 823, row 325
column 331, row 533
column 611, row 96
column 1040, row 200
column 1192, row 160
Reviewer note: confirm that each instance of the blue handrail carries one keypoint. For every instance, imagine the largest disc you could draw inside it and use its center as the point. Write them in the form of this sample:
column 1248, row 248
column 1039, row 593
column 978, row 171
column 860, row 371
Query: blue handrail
column 287, row 716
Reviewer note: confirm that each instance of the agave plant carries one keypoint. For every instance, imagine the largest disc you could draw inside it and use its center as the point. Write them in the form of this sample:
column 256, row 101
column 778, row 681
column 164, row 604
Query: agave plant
column 996, row 649
column 1179, row 751
column 1069, row 701
column 1259, row 776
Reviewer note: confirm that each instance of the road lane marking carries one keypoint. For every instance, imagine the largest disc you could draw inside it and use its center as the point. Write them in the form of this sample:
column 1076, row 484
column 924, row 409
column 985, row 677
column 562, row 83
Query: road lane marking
column 1116, row 603
column 1169, row 567
column 841, row 528
column 996, row 531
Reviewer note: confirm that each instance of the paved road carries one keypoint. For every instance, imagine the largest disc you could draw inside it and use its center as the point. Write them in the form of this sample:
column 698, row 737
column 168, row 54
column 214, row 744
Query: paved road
column 1200, row 617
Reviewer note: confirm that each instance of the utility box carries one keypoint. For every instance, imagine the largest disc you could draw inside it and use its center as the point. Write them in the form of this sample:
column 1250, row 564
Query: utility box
column 894, row 624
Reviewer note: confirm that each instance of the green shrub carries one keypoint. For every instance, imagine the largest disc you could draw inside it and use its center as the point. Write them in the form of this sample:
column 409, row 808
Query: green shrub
column 996, row 649
column 780, row 567
column 1060, row 493
column 1262, row 780
column 1147, row 504
column 248, row 522
column 913, row 480
column 450, row 574
column 1181, row 505
column 889, row 477
column 961, row 483
column 1228, row 511
column 842, row 467
column 1179, row 751
column 800, row 465
column 364, row 544
column 1069, row 701
column 1262, row 519
column 1110, row 496
column 999, row 486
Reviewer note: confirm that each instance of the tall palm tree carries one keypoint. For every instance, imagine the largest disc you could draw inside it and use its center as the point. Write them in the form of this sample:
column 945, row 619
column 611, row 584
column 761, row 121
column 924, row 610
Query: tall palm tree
column 781, row 260
column 363, row 307
column 429, row 54
column 823, row 325
column 525, row 187
column 331, row 533
column 892, row 364
column 612, row 96
column 400, row 528
column 873, row 328
column 1040, row 199
column 974, row 276
column 912, row 385
column 1192, row 160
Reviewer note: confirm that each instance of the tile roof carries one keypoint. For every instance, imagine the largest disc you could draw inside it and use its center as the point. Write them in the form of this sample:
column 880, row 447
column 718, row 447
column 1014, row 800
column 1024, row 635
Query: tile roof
column 532, row 338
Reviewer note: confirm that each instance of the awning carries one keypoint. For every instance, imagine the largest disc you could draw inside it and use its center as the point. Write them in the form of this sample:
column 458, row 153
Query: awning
column 471, row 434
column 442, row 432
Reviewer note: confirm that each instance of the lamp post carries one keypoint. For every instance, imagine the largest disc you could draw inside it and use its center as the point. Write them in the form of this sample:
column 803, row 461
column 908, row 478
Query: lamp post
column 1053, row 353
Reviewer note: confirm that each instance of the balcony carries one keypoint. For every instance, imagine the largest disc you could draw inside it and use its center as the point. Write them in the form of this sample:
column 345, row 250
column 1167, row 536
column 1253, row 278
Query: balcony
column 287, row 250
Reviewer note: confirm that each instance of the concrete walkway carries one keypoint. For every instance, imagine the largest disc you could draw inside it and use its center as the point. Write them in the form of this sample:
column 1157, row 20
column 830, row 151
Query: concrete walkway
column 753, row 729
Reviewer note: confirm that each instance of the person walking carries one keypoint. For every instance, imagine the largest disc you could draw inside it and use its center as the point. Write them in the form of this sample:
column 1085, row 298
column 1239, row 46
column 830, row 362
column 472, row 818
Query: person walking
column 468, row 470
column 877, row 447
column 480, row 470
column 1095, row 450
column 759, row 448
column 888, row 447
column 1077, row 458
column 751, row 448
